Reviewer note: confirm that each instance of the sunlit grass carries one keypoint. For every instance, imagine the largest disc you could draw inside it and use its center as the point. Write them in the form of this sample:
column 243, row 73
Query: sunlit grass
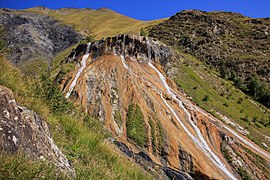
column 199, row 81
column 81, row 138
column 97, row 23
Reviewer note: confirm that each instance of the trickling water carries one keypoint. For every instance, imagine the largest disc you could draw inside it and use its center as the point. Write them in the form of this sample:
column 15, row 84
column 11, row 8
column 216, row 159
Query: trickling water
column 83, row 65
column 74, row 56
column 124, row 62
column 247, row 143
column 201, row 143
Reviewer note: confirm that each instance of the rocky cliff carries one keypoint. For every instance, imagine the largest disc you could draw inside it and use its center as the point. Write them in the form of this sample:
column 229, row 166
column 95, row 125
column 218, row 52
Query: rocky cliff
column 30, row 36
column 23, row 132
column 125, row 81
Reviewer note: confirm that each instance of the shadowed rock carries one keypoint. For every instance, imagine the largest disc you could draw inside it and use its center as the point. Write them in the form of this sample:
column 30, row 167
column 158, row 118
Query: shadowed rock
column 32, row 36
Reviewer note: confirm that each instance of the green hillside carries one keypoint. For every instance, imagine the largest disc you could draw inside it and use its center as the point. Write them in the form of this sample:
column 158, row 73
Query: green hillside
column 221, row 97
column 97, row 23
column 238, row 46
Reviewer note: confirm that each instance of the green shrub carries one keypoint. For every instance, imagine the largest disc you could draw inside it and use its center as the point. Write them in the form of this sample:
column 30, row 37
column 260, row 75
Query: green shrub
column 206, row 98
column 226, row 154
column 135, row 125
column 118, row 118
column 142, row 32
column 244, row 175
column 161, row 137
column 225, row 104
column 153, row 135
column 49, row 92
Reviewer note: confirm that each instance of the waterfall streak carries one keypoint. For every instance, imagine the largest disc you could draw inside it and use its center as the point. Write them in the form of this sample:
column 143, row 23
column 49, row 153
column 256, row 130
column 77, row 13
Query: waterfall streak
column 247, row 143
column 201, row 143
column 198, row 139
column 83, row 65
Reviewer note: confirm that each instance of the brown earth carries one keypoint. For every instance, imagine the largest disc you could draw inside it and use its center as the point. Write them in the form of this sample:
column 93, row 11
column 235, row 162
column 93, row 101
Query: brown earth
column 122, row 86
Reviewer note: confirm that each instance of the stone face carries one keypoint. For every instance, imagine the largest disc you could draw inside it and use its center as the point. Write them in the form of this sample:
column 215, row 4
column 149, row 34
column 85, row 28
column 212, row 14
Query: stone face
column 160, row 128
column 32, row 36
column 186, row 161
column 23, row 131
column 139, row 47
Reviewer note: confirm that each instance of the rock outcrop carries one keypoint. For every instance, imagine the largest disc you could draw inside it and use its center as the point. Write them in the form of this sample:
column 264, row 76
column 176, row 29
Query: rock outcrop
column 22, row 131
column 31, row 36
column 234, row 44
column 125, row 82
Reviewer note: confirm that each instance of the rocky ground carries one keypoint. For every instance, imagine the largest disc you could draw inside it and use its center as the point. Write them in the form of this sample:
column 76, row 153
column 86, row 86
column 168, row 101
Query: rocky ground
column 24, row 132
column 31, row 36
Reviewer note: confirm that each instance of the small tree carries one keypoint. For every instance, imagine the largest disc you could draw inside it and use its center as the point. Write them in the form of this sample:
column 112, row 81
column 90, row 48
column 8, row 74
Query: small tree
column 206, row 98
column 142, row 33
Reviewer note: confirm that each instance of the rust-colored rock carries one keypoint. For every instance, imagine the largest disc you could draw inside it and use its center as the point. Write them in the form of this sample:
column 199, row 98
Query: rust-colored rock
column 131, row 70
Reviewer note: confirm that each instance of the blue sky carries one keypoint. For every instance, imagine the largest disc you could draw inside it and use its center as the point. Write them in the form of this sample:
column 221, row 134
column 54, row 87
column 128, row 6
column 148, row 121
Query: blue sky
column 151, row 9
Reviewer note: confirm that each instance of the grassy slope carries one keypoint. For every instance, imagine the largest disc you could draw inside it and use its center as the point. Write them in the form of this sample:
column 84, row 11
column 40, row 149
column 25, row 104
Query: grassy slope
column 236, row 45
column 16, row 167
column 218, row 95
column 81, row 138
column 98, row 23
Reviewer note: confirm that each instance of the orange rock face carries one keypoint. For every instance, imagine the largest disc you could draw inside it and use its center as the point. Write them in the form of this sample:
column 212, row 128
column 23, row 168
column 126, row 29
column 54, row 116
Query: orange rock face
column 124, row 85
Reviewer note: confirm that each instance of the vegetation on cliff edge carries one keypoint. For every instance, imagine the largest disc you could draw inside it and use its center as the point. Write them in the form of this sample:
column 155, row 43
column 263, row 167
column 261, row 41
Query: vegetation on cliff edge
column 81, row 138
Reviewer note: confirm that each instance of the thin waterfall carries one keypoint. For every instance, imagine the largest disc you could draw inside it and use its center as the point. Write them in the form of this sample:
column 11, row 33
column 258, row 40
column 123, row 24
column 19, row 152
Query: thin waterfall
column 201, row 143
column 247, row 143
column 74, row 56
column 83, row 65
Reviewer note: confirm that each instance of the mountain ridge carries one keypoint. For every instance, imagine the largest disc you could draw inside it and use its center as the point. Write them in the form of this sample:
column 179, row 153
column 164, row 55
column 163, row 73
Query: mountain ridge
column 105, row 22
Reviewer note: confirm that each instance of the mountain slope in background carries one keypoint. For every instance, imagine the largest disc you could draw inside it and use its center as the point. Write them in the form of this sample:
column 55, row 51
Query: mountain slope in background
column 99, row 23
column 123, row 81
column 31, row 37
column 237, row 45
